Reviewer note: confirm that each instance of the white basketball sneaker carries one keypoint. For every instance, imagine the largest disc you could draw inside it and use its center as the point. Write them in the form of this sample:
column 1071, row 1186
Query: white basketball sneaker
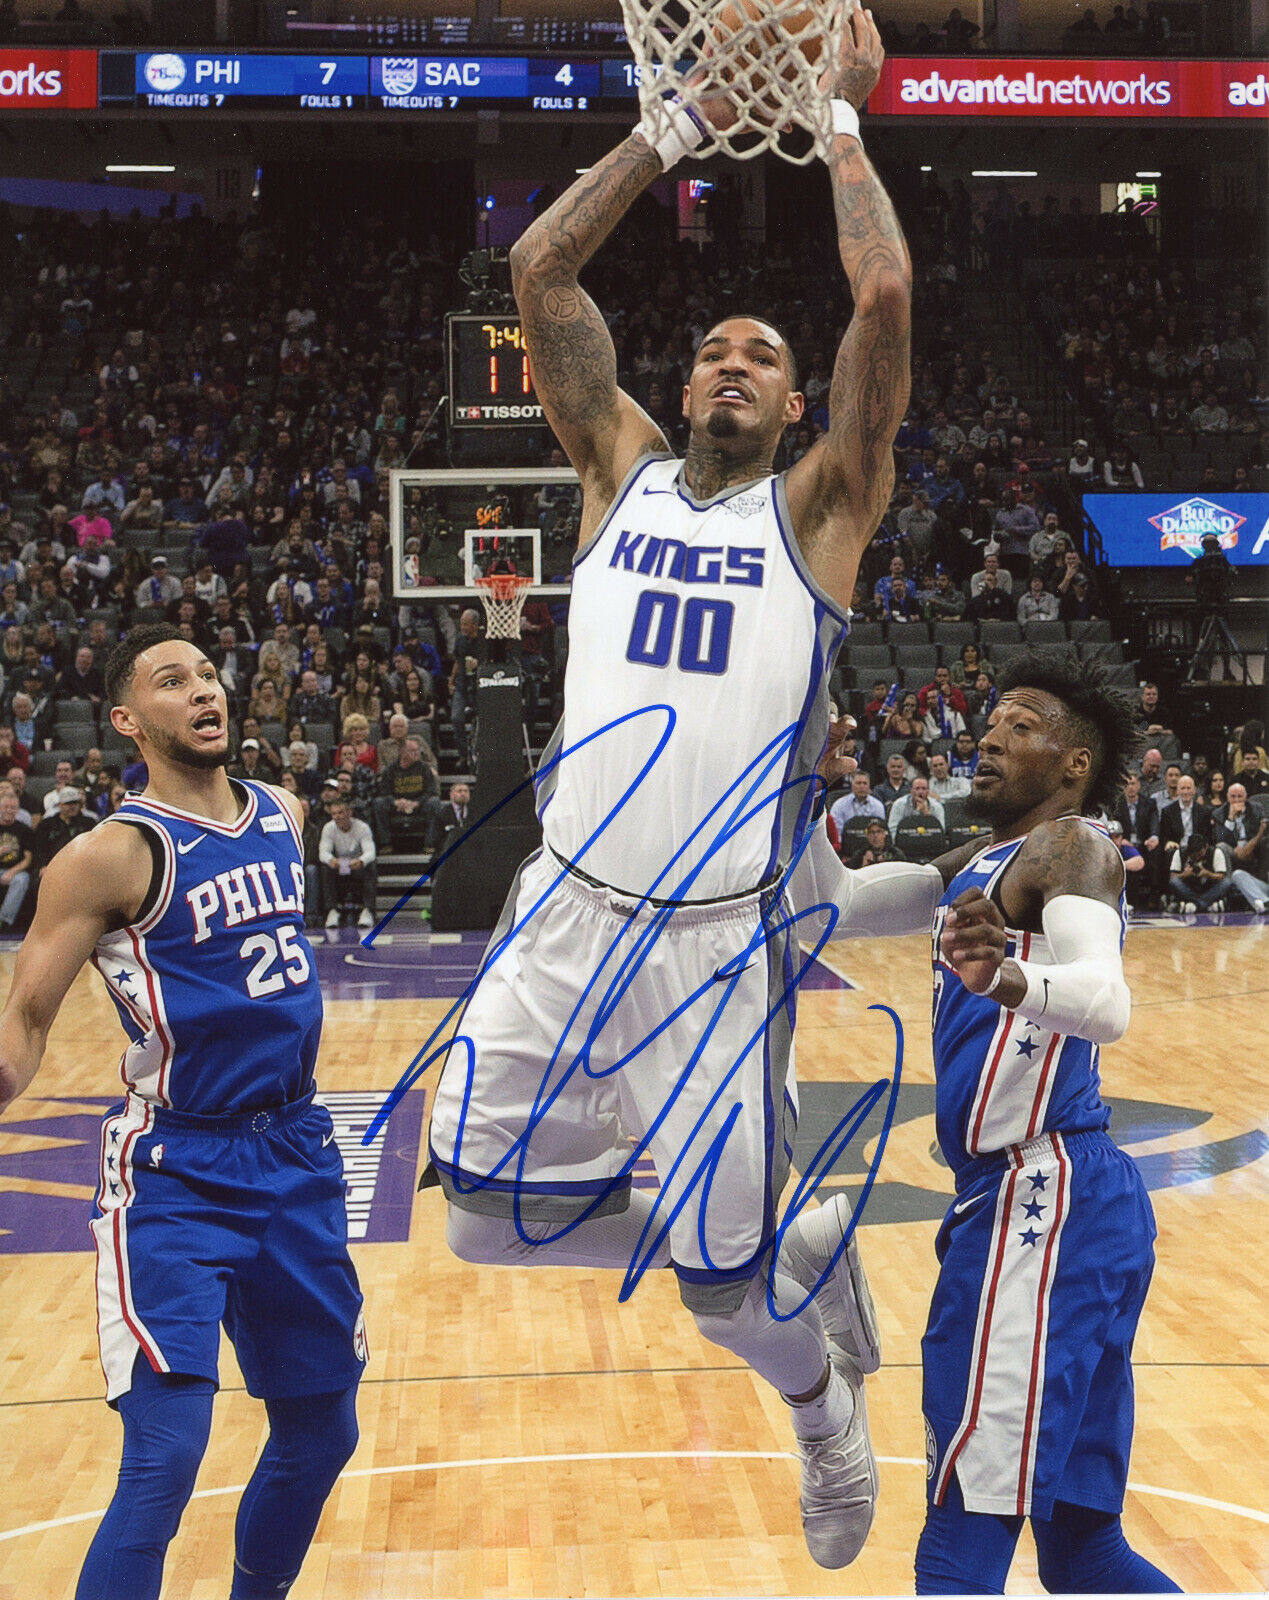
column 839, row 1481
column 844, row 1300
column 839, row 1473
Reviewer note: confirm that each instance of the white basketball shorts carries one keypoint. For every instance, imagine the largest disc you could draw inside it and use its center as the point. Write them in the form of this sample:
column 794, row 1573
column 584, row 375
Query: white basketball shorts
column 598, row 1020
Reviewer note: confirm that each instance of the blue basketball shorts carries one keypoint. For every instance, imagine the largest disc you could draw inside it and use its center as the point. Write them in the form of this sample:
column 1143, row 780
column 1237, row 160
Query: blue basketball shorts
column 237, row 1220
column 1045, row 1259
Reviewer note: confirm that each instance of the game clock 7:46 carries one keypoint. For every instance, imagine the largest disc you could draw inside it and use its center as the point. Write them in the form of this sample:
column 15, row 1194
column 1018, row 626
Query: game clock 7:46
column 490, row 381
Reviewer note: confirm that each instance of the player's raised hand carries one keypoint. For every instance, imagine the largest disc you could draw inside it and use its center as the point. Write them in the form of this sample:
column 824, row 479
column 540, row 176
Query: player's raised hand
column 974, row 939
column 714, row 101
column 853, row 76
column 833, row 765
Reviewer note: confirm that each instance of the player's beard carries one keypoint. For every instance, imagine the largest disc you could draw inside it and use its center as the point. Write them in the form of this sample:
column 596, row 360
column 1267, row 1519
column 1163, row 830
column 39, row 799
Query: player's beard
column 998, row 809
column 171, row 749
column 722, row 423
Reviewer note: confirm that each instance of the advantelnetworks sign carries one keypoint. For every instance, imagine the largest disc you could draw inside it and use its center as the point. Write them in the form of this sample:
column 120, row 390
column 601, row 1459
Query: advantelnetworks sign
column 48, row 80
column 986, row 86
column 1156, row 530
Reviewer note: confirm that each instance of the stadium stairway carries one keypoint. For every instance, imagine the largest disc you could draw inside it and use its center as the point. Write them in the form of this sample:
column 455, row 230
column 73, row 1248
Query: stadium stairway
column 398, row 874
column 1016, row 349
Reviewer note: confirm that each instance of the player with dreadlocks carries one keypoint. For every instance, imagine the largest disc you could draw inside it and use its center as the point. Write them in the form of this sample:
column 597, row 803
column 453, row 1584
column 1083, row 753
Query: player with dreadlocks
column 1046, row 1254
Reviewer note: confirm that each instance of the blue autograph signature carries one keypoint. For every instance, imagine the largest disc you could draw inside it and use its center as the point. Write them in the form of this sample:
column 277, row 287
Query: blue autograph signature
column 735, row 810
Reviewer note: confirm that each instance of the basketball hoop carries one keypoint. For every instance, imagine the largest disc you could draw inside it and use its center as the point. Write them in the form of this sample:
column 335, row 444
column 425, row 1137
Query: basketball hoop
column 765, row 55
column 504, row 594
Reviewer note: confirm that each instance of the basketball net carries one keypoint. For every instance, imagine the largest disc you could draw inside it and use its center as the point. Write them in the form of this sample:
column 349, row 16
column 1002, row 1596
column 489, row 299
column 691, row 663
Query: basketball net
column 504, row 594
column 764, row 55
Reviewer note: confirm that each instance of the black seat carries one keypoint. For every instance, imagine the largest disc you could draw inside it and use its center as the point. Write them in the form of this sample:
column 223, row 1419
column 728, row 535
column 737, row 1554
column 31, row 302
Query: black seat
column 918, row 841
column 969, row 833
column 1045, row 632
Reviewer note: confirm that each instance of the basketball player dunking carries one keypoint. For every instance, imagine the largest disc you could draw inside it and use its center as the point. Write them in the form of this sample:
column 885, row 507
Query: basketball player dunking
column 1046, row 1254
column 708, row 603
column 222, row 1194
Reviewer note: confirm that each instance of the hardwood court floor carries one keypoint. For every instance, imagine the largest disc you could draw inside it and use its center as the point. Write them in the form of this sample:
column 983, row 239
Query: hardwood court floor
column 523, row 1434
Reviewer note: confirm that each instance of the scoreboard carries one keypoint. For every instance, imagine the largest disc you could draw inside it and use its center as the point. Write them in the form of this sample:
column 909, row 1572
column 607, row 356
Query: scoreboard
column 209, row 81
column 250, row 82
column 444, row 83
column 490, row 385
column 333, row 84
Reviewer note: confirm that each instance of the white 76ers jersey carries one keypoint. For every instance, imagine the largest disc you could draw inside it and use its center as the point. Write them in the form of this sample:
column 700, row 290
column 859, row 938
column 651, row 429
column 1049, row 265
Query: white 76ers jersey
column 696, row 694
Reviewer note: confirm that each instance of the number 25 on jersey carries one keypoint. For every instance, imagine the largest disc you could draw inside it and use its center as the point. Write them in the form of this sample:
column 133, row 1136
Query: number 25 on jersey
column 263, row 980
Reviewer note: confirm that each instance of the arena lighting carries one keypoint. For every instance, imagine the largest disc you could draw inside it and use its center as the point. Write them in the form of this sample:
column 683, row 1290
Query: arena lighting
column 1149, row 174
column 125, row 167
column 990, row 172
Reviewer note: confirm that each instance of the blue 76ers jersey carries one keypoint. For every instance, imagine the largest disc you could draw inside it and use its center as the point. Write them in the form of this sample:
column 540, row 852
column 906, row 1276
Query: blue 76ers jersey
column 216, row 985
column 1000, row 1079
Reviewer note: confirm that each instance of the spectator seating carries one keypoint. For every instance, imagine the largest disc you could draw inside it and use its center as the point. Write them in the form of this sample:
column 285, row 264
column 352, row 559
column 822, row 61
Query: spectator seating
column 918, row 841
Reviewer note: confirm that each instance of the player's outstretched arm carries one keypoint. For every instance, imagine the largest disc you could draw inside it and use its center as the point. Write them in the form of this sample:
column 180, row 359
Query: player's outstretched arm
column 891, row 898
column 574, row 363
column 97, row 882
column 839, row 491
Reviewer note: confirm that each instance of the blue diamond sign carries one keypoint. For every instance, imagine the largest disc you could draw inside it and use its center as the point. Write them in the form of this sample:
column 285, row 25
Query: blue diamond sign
column 1184, row 526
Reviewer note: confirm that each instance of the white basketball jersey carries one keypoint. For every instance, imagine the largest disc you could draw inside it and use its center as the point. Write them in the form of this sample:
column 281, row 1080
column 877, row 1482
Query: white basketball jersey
column 696, row 694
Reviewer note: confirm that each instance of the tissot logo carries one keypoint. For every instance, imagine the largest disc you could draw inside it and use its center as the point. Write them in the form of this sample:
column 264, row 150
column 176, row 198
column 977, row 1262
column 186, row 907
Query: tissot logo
column 526, row 413
column 1186, row 525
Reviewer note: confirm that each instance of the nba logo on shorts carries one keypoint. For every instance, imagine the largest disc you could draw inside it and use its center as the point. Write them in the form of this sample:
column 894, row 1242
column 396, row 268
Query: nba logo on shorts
column 360, row 1348
column 156, row 1155
column 400, row 74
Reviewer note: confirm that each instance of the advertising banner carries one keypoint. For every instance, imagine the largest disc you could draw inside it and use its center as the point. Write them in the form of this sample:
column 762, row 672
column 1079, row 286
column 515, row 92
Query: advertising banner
column 995, row 86
column 42, row 80
column 1167, row 530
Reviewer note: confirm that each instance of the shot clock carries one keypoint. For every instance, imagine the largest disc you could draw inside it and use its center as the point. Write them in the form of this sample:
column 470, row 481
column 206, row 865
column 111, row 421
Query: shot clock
column 490, row 384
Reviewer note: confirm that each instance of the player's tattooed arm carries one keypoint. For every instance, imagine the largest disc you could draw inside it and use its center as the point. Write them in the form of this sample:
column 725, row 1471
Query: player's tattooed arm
column 1064, row 856
column 571, row 353
column 1073, row 877
column 1058, row 858
column 839, row 491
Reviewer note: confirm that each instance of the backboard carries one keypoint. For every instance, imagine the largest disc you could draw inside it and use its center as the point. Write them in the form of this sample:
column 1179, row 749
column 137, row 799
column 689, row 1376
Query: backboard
column 471, row 520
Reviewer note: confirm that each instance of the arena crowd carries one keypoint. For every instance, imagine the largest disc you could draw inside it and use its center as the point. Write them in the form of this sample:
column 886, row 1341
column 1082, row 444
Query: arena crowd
column 198, row 419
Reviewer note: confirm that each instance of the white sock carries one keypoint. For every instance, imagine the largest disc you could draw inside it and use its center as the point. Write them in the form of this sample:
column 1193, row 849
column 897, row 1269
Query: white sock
column 826, row 1415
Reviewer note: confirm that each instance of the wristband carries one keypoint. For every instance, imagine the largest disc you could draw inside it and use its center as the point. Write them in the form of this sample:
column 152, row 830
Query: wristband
column 995, row 982
column 685, row 133
column 845, row 120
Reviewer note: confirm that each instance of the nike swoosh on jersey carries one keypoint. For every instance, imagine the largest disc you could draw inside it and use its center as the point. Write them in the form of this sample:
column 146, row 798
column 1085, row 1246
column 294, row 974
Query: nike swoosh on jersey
column 184, row 846
column 660, row 491
column 328, row 1138
column 965, row 1204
